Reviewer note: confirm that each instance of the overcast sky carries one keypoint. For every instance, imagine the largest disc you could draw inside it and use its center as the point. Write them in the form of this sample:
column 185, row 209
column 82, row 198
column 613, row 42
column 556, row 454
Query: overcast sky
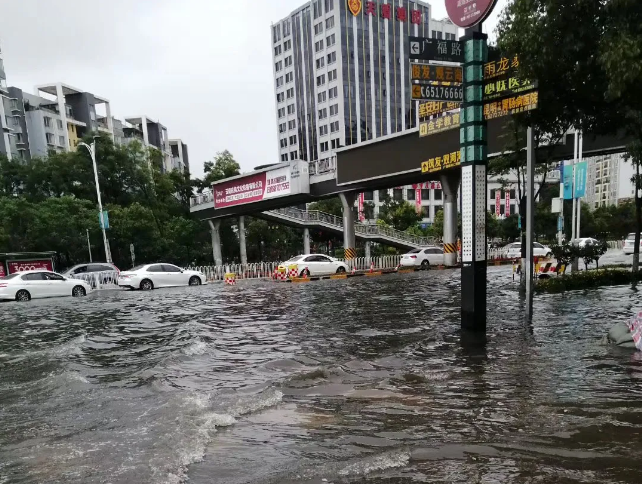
column 203, row 68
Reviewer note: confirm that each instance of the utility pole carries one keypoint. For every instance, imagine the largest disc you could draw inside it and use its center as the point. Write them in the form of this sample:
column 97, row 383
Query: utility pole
column 89, row 246
column 530, row 219
column 92, row 152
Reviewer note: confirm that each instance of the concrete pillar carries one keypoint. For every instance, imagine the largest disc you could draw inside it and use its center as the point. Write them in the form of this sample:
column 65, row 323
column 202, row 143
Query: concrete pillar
column 450, row 186
column 242, row 245
column 306, row 240
column 215, row 228
column 368, row 254
column 349, row 246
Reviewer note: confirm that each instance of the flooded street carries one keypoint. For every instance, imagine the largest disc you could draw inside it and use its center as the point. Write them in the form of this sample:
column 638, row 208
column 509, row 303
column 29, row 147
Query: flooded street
column 354, row 381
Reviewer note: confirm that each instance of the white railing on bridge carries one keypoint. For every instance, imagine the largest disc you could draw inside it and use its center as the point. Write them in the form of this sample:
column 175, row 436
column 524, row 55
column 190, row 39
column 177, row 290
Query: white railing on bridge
column 323, row 166
column 201, row 198
column 306, row 216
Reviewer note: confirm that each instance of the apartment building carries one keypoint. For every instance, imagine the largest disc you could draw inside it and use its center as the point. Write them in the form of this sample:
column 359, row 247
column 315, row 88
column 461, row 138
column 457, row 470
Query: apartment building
column 180, row 157
column 150, row 133
column 608, row 180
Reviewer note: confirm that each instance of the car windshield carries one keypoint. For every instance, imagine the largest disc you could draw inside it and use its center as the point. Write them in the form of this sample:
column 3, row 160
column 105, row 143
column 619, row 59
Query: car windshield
column 137, row 268
column 294, row 259
column 414, row 251
column 630, row 237
column 10, row 276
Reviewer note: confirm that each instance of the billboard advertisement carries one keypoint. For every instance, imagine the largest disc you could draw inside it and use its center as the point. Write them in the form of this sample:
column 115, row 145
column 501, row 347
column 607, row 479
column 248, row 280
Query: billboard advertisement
column 29, row 265
column 292, row 179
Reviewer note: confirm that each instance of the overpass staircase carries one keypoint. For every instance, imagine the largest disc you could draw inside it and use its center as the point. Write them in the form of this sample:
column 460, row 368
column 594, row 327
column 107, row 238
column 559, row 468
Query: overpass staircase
column 314, row 219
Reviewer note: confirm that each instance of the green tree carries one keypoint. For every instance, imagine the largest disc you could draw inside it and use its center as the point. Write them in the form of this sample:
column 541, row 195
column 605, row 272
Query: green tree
column 398, row 213
column 222, row 166
column 332, row 206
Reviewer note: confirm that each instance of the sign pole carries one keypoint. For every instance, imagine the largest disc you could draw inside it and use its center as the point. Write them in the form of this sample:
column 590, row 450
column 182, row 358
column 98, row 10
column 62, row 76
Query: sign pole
column 530, row 206
column 474, row 180
column 89, row 246
column 579, row 202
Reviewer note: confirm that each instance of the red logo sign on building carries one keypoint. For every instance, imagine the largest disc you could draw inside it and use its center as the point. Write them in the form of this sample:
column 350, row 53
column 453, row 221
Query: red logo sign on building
column 362, row 215
column 468, row 13
column 29, row 265
column 354, row 6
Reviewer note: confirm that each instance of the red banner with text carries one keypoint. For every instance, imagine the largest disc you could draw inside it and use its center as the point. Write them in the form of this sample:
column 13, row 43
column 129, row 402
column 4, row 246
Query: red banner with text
column 498, row 202
column 29, row 265
column 507, row 204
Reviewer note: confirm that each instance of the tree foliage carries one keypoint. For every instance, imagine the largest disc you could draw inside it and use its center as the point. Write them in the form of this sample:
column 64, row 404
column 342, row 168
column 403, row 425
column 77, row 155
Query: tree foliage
column 398, row 213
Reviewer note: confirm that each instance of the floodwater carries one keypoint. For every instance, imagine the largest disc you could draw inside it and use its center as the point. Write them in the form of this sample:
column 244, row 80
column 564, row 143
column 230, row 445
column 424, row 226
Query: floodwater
column 355, row 381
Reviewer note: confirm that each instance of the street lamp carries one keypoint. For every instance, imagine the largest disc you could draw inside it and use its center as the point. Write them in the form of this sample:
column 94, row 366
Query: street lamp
column 92, row 152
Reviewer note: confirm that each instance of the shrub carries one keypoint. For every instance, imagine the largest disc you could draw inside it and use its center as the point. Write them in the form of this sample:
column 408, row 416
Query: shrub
column 586, row 280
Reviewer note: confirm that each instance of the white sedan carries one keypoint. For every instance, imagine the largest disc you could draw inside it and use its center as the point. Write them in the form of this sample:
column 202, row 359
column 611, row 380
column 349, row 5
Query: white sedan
column 151, row 276
column 315, row 264
column 423, row 257
column 514, row 250
column 27, row 285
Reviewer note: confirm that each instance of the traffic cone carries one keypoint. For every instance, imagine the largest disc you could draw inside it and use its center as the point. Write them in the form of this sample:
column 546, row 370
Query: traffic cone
column 372, row 266
column 354, row 270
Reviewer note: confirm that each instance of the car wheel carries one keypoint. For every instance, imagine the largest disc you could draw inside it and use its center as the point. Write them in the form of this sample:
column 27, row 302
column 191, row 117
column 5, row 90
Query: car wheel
column 550, row 254
column 78, row 291
column 146, row 285
column 425, row 264
column 194, row 281
column 23, row 296
column 305, row 272
column 341, row 270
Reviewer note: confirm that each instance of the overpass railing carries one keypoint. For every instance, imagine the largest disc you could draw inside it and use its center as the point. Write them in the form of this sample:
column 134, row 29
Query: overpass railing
column 326, row 165
column 304, row 217
column 201, row 198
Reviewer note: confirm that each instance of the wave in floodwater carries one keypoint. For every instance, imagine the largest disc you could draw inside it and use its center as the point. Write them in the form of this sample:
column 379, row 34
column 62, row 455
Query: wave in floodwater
column 358, row 381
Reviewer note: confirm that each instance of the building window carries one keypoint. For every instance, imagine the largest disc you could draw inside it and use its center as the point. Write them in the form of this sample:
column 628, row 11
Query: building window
column 318, row 28
column 281, row 112
column 512, row 195
column 425, row 194
column 321, row 80
column 283, row 143
column 323, row 130
column 318, row 46
column 324, row 147
column 321, row 97
column 47, row 121
column 332, row 58
column 330, row 40
column 439, row 35
column 293, row 155
column 410, row 194
column 279, row 81
column 291, row 125
column 323, row 113
column 278, row 66
column 397, row 194
column 279, row 97
column 332, row 75
column 276, row 33
column 287, row 45
column 288, row 61
column 334, row 127
column 329, row 23
column 382, row 195
column 293, row 139
column 287, row 28
column 434, row 34
column 334, row 109
column 320, row 62
column 290, row 93
column 277, row 50
column 289, row 76
column 18, row 137
column 316, row 9
column 59, row 123
column 368, row 196
column 333, row 92
column 329, row 5
column 50, row 138
column 291, row 109
column 284, row 157
column 281, row 127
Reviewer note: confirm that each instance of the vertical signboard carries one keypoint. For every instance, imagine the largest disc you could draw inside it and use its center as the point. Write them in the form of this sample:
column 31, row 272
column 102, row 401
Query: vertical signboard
column 580, row 179
column 568, row 182
column 507, row 204
column 418, row 198
column 498, row 202
column 362, row 215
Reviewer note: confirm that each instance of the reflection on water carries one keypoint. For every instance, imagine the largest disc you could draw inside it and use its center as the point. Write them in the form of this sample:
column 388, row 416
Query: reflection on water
column 364, row 380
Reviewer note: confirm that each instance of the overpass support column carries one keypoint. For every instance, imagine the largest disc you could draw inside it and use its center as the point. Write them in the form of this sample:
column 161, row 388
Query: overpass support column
column 306, row 240
column 349, row 246
column 368, row 254
column 242, row 246
column 215, row 228
column 450, row 186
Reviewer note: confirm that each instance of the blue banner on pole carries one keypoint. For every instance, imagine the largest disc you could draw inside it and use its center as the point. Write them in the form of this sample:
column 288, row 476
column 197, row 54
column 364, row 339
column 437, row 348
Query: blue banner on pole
column 104, row 220
column 580, row 179
column 567, row 177
column 560, row 223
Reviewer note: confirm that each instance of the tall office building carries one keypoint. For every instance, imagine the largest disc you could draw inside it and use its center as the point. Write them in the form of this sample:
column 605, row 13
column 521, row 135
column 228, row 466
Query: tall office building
column 341, row 72
column 8, row 124
column 608, row 180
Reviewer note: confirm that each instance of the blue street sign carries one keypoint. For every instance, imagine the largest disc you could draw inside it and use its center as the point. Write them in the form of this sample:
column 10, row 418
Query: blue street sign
column 567, row 177
column 560, row 223
column 519, row 222
column 104, row 218
column 580, row 179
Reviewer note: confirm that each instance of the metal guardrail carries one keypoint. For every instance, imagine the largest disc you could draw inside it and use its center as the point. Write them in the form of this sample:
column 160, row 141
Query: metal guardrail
column 374, row 230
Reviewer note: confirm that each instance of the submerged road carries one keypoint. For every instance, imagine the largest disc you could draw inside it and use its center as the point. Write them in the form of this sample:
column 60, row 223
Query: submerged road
column 353, row 381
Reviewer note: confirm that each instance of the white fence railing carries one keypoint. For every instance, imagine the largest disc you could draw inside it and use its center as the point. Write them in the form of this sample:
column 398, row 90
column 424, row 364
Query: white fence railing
column 99, row 280
column 262, row 270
